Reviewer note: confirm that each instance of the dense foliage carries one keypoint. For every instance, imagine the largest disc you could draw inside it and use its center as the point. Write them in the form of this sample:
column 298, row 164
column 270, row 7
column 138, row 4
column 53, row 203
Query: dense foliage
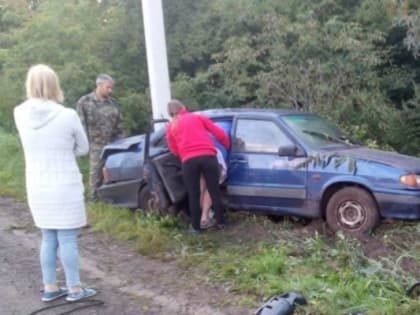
column 352, row 61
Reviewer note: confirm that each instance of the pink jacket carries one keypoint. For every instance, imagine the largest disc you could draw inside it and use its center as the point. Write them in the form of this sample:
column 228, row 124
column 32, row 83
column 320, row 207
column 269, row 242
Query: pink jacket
column 188, row 136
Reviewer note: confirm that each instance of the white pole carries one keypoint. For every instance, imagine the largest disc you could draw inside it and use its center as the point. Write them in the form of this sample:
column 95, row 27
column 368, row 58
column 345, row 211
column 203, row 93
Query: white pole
column 157, row 62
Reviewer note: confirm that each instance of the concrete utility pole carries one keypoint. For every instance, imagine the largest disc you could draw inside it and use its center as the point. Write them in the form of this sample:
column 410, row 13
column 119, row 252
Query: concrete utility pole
column 157, row 62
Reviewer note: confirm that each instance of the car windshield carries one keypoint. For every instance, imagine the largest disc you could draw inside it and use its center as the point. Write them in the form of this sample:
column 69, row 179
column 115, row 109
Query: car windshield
column 316, row 132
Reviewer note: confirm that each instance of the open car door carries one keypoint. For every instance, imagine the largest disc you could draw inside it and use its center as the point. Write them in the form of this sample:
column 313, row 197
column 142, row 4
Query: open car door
column 164, row 171
column 168, row 166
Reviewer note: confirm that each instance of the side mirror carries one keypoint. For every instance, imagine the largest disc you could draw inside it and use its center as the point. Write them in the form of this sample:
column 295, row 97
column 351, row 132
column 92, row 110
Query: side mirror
column 289, row 150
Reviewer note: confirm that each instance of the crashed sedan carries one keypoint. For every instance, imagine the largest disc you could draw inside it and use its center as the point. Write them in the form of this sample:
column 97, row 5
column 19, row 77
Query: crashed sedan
column 281, row 163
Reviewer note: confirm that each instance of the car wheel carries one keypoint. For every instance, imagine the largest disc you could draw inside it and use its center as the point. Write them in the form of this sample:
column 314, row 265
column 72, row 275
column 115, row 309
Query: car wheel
column 353, row 211
column 148, row 200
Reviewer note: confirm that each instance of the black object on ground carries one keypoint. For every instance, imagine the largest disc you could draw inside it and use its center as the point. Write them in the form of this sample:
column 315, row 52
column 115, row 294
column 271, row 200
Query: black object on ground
column 282, row 304
column 414, row 291
column 76, row 305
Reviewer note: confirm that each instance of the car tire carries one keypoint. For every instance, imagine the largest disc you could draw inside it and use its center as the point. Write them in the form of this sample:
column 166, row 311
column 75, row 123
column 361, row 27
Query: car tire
column 153, row 200
column 147, row 201
column 353, row 211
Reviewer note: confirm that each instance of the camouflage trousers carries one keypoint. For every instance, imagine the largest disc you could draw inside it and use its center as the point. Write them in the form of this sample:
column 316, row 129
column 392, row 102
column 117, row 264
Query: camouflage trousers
column 95, row 171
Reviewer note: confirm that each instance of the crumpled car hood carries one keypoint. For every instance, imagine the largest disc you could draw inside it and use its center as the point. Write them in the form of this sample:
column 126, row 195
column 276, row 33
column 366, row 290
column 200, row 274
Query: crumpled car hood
column 122, row 144
column 125, row 143
column 393, row 159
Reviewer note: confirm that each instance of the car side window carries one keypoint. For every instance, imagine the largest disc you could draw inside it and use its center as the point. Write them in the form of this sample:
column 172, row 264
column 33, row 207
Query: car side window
column 256, row 135
column 158, row 138
column 160, row 142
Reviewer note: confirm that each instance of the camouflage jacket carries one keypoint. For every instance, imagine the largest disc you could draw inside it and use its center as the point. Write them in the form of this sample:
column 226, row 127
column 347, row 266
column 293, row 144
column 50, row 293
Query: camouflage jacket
column 101, row 119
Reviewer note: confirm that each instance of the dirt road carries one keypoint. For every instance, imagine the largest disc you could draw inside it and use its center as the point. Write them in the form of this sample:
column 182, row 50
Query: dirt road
column 128, row 283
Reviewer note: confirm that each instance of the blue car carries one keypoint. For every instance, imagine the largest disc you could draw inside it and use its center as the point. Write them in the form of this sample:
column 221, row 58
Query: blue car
column 281, row 163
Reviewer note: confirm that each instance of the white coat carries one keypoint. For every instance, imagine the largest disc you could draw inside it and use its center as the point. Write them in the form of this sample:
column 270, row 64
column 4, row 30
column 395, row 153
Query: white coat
column 52, row 136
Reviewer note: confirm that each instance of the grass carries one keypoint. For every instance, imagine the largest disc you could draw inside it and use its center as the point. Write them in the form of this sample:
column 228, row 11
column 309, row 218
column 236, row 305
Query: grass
column 12, row 177
column 151, row 235
column 259, row 259
column 335, row 276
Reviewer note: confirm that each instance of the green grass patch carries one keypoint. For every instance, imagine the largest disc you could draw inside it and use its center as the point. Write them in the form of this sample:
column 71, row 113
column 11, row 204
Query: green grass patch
column 12, row 169
column 151, row 235
column 335, row 276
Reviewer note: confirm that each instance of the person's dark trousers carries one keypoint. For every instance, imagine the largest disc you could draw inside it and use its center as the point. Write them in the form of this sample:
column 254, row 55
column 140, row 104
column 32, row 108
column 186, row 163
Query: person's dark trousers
column 192, row 170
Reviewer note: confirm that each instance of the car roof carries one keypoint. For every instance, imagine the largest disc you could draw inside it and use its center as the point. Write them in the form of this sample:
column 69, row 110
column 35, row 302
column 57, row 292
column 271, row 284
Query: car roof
column 263, row 112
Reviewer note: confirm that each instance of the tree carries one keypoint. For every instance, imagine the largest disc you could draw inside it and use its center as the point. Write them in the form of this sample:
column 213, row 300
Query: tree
column 79, row 39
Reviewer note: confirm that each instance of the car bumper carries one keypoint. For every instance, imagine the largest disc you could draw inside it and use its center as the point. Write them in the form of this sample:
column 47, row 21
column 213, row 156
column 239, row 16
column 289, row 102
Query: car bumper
column 122, row 194
column 401, row 206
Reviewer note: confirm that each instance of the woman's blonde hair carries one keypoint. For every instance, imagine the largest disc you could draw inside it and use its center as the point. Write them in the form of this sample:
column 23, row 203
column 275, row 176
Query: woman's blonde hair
column 42, row 82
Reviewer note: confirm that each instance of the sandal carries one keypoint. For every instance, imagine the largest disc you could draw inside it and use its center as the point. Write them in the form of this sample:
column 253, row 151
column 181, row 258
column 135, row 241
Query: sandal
column 206, row 224
column 82, row 294
column 53, row 295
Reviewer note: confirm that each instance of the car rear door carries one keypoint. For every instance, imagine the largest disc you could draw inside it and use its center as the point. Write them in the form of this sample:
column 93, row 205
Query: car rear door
column 259, row 178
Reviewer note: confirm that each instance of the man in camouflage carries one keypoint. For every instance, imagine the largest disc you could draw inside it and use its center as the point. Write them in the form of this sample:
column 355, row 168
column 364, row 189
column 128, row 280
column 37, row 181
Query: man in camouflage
column 101, row 118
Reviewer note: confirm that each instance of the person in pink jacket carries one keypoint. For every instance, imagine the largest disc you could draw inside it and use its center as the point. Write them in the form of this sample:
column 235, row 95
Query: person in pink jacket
column 188, row 137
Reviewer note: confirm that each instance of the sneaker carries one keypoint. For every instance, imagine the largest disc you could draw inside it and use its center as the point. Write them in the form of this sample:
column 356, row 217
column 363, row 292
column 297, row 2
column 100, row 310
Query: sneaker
column 51, row 296
column 82, row 294
column 207, row 223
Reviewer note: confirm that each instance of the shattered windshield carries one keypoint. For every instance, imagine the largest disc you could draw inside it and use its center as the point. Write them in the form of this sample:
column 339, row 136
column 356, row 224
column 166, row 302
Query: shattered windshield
column 316, row 132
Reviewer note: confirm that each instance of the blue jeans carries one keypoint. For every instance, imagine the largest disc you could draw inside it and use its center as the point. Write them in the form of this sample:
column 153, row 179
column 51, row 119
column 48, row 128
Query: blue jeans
column 66, row 242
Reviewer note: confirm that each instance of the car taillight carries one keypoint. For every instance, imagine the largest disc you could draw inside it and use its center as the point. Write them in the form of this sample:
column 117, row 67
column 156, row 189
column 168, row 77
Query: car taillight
column 105, row 175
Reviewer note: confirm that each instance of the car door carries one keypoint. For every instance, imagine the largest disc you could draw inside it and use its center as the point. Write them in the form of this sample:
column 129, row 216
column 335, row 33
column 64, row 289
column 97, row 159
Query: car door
column 260, row 177
column 167, row 166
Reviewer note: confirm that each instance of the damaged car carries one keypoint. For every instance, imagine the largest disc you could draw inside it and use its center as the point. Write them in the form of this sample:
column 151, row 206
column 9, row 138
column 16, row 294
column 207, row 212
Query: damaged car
column 281, row 163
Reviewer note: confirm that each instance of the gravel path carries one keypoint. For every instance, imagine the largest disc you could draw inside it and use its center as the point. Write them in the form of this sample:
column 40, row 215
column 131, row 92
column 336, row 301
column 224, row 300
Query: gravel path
column 128, row 283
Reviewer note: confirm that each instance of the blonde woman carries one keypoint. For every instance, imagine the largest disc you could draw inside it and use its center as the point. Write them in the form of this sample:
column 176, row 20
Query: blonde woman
column 52, row 136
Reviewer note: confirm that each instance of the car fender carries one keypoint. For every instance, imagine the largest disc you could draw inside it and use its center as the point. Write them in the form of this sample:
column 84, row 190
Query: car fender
column 337, row 182
column 347, row 179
